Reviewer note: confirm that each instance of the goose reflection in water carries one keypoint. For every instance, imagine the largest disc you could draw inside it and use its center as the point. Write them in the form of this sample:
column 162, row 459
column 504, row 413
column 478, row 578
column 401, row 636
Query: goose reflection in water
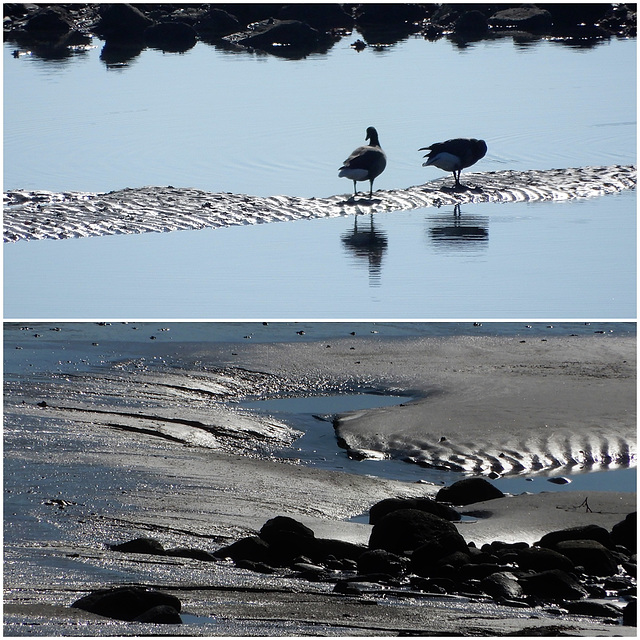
column 369, row 244
column 458, row 234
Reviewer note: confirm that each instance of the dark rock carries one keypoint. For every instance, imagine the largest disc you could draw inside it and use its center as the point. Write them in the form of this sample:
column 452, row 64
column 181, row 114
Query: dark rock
column 140, row 545
column 258, row 567
column 51, row 20
column 218, row 23
column 428, row 505
column 125, row 603
column 479, row 571
column 596, row 559
column 408, row 529
column 594, row 609
column 292, row 34
column 253, row 549
column 162, row 614
column 472, row 23
column 354, row 588
column 502, row 585
column 444, row 556
column 586, row 532
column 288, row 538
column 390, row 14
column 171, row 36
column 341, row 550
column 525, row 18
column 625, row 533
column 541, row 559
column 380, row 561
column 569, row 15
column 319, row 16
column 553, row 585
column 122, row 23
column 428, row 585
column 187, row 552
column 630, row 614
column 469, row 491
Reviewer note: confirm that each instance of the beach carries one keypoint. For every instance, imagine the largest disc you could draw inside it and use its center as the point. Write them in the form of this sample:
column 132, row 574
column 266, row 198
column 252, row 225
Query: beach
column 154, row 445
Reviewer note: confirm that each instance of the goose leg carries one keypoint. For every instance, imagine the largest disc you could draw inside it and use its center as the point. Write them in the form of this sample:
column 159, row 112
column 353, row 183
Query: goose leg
column 355, row 193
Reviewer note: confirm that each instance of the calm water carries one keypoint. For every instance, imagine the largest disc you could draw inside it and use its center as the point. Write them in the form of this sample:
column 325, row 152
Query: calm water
column 261, row 125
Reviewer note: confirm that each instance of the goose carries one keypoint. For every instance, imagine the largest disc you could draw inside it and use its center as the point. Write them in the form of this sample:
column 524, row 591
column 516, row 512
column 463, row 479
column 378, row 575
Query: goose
column 365, row 163
column 455, row 155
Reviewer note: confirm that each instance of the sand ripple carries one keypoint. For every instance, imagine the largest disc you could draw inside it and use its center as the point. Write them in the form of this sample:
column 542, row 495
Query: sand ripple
column 34, row 215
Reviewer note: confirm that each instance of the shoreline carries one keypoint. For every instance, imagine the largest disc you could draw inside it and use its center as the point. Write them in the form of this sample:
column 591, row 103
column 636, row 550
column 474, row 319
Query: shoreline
column 189, row 495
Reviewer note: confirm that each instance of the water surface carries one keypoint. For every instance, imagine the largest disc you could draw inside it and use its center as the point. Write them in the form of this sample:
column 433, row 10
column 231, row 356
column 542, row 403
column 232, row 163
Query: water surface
column 256, row 124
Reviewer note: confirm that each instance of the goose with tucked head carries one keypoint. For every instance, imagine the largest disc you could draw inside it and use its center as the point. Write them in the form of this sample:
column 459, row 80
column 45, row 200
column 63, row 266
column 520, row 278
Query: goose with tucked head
column 365, row 163
column 455, row 155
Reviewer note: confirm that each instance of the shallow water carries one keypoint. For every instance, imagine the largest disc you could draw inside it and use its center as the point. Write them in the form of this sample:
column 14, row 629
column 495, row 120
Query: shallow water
column 76, row 125
column 533, row 261
column 257, row 124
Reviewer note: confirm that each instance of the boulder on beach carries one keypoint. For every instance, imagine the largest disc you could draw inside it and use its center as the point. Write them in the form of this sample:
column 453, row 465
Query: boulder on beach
column 426, row 504
column 469, row 491
column 585, row 532
column 553, row 584
column 380, row 561
column 625, row 533
column 131, row 603
column 251, row 548
column 287, row 538
column 406, row 530
column 595, row 558
column 541, row 559
column 502, row 585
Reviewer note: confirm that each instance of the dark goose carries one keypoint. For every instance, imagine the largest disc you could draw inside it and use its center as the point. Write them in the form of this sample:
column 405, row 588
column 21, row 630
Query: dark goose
column 365, row 163
column 455, row 155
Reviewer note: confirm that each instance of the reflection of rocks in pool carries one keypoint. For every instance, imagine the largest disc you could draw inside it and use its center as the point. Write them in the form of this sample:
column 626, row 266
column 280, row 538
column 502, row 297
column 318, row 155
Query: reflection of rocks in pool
column 367, row 243
column 445, row 233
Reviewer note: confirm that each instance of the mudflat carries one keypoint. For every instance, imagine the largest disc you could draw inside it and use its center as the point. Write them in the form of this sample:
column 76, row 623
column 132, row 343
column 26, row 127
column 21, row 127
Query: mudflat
column 130, row 450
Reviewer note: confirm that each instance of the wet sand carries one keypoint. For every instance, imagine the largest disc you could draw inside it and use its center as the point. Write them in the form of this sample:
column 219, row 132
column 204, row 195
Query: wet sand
column 34, row 215
column 118, row 448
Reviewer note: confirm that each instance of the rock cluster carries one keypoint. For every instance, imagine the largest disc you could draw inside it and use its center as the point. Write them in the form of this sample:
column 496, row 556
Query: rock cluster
column 296, row 30
column 415, row 547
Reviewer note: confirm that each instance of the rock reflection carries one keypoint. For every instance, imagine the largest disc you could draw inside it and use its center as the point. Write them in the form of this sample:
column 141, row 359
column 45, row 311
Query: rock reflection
column 459, row 233
column 368, row 244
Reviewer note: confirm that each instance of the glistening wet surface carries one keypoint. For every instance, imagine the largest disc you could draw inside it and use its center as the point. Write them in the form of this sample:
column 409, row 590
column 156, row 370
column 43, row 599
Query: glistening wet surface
column 319, row 447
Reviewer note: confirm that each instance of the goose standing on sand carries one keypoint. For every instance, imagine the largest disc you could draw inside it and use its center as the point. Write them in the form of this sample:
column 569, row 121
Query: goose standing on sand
column 365, row 163
column 455, row 155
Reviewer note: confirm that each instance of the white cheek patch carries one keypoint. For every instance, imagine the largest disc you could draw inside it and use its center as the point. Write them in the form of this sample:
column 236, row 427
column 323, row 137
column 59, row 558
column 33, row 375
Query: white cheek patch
column 354, row 174
column 444, row 161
